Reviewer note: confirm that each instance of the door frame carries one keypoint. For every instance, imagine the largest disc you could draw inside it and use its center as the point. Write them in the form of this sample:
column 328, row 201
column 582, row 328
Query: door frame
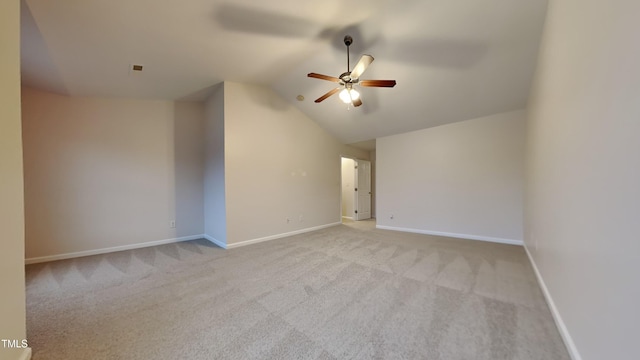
column 355, row 194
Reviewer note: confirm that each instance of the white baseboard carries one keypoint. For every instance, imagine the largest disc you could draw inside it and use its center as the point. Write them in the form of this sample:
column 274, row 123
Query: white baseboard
column 35, row 260
column 562, row 328
column 40, row 259
column 26, row 354
column 348, row 217
column 454, row 235
column 215, row 241
column 278, row 236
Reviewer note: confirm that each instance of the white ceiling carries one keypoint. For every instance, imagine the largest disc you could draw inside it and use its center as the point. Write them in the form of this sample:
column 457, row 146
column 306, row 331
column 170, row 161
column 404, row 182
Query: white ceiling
column 453, row 59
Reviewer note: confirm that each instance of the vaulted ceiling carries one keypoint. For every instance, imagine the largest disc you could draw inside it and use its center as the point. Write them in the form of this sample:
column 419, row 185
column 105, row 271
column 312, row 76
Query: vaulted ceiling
column 453, row 60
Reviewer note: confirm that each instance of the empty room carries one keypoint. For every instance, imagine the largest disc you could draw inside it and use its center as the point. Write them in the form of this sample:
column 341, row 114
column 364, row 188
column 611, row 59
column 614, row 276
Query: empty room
column 423, row 179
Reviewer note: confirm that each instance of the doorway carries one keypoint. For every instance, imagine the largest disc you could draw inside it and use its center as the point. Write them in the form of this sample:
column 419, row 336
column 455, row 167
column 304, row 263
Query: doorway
column 356, row 189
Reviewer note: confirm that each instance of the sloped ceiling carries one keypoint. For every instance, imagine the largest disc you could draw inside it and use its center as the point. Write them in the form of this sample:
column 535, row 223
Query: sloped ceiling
column 453, row 60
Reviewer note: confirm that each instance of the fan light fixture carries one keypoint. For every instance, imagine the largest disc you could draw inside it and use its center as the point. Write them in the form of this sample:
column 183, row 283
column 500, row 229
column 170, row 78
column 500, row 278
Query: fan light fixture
column 349, row 95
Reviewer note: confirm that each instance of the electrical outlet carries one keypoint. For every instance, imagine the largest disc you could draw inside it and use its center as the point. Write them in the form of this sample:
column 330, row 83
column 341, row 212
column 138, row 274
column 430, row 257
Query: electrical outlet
column 391, row 217
column 301, row 218
column 172, row 224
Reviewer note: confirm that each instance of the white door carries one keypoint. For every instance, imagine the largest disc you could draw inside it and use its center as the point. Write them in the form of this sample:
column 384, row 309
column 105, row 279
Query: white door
column 363, row 190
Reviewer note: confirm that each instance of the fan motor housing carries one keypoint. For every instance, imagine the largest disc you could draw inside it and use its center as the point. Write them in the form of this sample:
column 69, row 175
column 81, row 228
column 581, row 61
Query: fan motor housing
column 346, row 77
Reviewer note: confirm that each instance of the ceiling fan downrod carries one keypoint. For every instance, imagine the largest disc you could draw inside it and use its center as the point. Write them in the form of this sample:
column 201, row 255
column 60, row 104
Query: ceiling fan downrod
column 348, row 40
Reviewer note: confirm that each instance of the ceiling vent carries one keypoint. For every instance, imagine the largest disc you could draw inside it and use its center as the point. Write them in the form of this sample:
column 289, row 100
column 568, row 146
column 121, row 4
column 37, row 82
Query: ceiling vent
column 136, row 67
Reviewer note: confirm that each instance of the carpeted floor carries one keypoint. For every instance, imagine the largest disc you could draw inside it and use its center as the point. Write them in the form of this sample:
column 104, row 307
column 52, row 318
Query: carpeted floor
column 346, row 292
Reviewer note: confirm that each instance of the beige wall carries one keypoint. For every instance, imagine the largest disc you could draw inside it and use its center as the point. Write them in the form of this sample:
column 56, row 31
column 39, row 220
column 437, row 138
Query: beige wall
column 583, row 174
column 12, row 300
column 463, row 179
column 188, row 157
column 279, row 165
column 106, row 173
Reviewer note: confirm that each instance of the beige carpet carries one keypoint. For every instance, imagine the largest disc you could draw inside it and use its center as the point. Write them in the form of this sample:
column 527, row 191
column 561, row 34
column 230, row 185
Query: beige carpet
column 346, row 292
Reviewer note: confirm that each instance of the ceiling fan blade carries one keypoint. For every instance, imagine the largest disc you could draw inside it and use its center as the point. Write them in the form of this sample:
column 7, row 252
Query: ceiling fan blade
column 323, row 77
column 377, row 83
column 361, row 66
column 321, row 98
column 357, row 102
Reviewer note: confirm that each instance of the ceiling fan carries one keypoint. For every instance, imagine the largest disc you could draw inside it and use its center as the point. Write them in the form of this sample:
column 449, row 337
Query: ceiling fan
column 348, row 79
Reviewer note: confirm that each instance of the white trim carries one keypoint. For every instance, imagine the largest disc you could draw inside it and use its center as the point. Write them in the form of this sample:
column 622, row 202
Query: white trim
column 215, row 241
column 278, row 236
column 348, row 217
column 562, row 328
column 109, row 250
column 454, row 235
column 26, row 354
